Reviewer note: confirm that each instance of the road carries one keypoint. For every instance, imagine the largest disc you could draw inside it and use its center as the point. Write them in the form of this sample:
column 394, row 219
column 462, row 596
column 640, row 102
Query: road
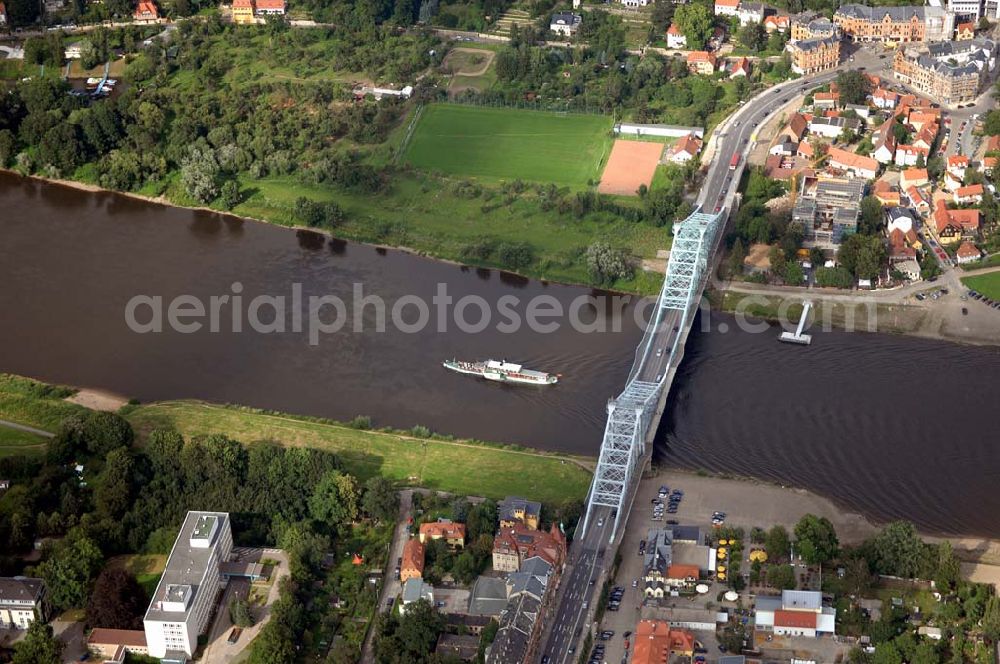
column 587, row 564
column 26, row 429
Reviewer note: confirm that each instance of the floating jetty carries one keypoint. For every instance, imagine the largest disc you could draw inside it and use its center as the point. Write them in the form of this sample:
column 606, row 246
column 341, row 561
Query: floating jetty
column 797, row 337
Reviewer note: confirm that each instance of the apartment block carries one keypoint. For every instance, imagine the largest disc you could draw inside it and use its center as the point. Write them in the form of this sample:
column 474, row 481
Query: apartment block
column 186, row 594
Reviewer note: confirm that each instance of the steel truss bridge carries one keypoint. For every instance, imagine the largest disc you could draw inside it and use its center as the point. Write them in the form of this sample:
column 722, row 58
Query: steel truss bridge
column 634, row 411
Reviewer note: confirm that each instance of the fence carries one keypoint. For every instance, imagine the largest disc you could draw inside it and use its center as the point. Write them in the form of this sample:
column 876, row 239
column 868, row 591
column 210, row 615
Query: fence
column 555, row 106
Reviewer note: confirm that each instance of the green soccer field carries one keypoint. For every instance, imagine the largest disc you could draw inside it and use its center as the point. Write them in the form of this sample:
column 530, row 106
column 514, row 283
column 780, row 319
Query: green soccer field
column 495, row 144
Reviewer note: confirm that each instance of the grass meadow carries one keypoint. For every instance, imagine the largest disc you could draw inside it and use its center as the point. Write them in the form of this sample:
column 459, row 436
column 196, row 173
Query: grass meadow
column 507, row 144
column 987, row 284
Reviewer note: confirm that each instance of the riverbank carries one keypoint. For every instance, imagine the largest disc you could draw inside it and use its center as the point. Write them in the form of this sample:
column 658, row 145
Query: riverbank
column 416, row 458
column 941, row 320
column 435, row 217
column 750, row 503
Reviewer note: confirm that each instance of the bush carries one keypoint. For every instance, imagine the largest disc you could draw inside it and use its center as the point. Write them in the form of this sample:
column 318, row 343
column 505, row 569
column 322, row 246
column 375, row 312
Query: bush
column 837, row 277
column 515, row 255
column 606, row 264
column 318, row 215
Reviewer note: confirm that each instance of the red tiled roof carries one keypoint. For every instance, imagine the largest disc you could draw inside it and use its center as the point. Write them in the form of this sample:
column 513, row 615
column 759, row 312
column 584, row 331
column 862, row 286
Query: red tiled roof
column 146, row 8
column 440, row 529
column 413, row 556
column 271, row 4
column 655, row 640
column 727, row 3
column 242, row 4
column 700, row 56
column 689, row 144
column 964, row 219
column 795, row 619
column 851, row 160
column 958, row 160
column 673, row 30
column 914, row 174
column 971, row 190
column 679, row 571
column 968, row 250
column 993, row 144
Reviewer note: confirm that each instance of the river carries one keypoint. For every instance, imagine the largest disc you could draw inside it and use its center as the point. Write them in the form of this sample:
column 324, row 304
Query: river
column 890, row 426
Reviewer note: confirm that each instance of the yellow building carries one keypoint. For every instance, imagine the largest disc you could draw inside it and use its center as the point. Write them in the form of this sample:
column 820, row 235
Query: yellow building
column 243, row 12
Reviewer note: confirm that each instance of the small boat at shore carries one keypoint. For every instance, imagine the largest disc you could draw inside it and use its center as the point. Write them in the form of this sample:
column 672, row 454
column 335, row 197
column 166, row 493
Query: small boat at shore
column 501, row 372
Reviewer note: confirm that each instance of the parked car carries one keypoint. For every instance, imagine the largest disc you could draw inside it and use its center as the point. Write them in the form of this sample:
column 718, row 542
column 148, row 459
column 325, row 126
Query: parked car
column 235, row 634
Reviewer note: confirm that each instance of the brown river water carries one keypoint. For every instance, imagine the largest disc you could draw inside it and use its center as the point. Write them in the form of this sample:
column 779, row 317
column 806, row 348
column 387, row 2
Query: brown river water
column 890, row 426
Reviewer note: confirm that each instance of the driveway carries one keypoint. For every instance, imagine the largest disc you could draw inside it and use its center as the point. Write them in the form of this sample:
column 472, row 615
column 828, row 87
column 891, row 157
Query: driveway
column 391, row 587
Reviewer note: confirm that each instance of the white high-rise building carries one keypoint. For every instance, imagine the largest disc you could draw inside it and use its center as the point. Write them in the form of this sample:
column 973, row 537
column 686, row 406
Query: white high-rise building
column 182, row 603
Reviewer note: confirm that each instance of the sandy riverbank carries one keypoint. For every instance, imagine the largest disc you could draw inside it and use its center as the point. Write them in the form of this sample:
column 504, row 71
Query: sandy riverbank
column 749, row 503
column 98, row 399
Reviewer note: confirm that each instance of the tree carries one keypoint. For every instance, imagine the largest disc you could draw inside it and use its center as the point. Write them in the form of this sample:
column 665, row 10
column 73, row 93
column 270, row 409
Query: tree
column 114, row 492
column 886, row 653
column 239, row 613
column 898, row 550
column 380, row 500
column 104, row 432
column 777, row 544
column 752, row 36
column 335, row 500
column 872, row 216
column 607, row 264
column 38, row 646
column 117, row 601
column 230, row 193
column 781, row 577
column 948, row 567
column 854, row 87
column 815, row 539
column 199, row 171
column 857, row 576
column 695, row 21
column 69, row 570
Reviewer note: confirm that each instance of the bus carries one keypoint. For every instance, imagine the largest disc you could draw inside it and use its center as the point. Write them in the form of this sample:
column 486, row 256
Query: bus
column 734, row 162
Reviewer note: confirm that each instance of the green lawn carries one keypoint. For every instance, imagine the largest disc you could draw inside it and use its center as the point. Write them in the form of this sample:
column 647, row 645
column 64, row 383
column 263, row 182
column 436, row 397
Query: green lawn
column 454, row 466
column 14, row 442
column 987, row 284
column 497, row 144
column 35, row 404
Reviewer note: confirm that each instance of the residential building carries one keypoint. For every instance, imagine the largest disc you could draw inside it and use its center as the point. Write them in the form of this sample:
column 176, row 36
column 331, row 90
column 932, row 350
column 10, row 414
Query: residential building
column 814, row 55
column 917, row 200
column 145, row 11
column 565, row 23
column 785, row 147
column 855, row 164
column 901, row 219
column 948, row 72
column 965, row 31
column 832, row 127
column 775, row 23
column 828, row 210
column 676, row 38
column 914, row 177
column 887, row 195
column 899, row 249
column 989, row 163
column 512, row 546
column 701, row 62
column 656, row 562
column 910, row 269
column 114, row 644
column 726, row 7
column 415, row 590
column 885, row 144
column 512, row 510
column 452, row 533
column 519, row 620
column 884, row 99
column 795, row 613
column 813, row 25
column 488, row 596
column 750, row 12
column 993, row 144
column 910, row 155
column 3, row 14
column 738, row 67
column 972, row 194
column 967, row 253
column 412, row 566
column 21, row 600
column 457, row 647
column 826, row 100
column 656, row 642
column 684, row 150
column 796, row 128
column 955, row 225
column 265, row 8
column 243, row 12
column 894, row 24
column 957, row 165
column 185, row 596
